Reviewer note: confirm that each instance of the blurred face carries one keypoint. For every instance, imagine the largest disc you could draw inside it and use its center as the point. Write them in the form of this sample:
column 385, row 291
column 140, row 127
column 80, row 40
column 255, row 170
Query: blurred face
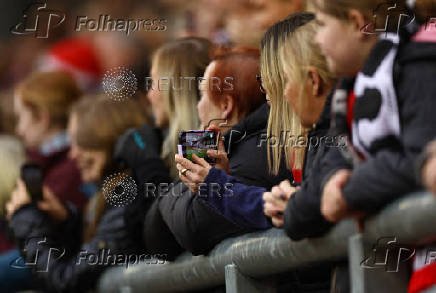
column 342, row 44
column 207, row 110
column 31, row 129
column 309, row 106
column 157, row 102
column 90, row 162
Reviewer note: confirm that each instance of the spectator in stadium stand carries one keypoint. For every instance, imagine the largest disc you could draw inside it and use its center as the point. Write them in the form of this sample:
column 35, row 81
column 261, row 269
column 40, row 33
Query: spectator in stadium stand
column 102, row 141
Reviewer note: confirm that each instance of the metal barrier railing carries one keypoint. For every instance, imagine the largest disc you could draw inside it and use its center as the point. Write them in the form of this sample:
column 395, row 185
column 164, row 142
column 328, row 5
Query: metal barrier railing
column 239, row 263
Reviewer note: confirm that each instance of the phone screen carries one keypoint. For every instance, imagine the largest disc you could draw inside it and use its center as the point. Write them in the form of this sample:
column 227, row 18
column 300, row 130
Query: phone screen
column 197, row 142
column 32, row 176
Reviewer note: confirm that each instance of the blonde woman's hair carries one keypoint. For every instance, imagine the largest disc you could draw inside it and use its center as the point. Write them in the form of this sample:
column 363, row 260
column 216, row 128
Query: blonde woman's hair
column 293, row 36
column 298, row 52
column 177, row 60
column 282, row 119
column 12, row 156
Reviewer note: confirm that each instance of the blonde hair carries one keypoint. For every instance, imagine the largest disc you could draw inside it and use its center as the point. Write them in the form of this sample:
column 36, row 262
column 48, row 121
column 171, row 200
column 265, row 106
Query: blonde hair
column 282, row 118
column 12, row 156
column 53, row 92
column 290, row 41
column 185, row 57
column 297, row 52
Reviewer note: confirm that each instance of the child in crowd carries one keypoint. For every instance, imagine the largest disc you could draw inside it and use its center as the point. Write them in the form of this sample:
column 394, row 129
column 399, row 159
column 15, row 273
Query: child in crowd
column 95, row 125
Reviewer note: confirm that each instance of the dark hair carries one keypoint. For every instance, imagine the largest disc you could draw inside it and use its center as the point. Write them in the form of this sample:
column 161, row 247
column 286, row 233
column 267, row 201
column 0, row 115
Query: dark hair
column 285, row 27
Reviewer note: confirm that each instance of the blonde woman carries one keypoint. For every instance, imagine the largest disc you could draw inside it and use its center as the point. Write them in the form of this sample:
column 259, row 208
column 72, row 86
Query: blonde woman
column 177, row 67
column 95, row 126
column 308, row 83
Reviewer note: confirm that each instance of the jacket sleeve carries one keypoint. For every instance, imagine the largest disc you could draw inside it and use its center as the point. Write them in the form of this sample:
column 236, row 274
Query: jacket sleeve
column 240, row 203
column 196, row 226
column 158, row 238
column 60, row 269
column 390, row 173
column 302, row 216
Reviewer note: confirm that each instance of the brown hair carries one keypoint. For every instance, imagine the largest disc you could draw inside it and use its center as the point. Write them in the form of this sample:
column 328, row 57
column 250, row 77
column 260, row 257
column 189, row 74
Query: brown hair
column 369, row 8
column 100, row 122
column 54, row 92
column 242, row 65
column 425, row 10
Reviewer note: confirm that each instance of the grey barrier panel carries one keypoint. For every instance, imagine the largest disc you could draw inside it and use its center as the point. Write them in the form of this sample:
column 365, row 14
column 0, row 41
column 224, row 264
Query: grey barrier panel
column 411, row 219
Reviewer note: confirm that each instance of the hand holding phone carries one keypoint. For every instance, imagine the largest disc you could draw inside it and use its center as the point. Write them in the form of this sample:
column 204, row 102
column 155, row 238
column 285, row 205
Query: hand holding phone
column 33, row 177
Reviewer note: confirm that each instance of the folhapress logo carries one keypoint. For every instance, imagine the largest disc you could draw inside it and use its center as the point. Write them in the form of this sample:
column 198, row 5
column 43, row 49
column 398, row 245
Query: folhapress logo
column 38, row 20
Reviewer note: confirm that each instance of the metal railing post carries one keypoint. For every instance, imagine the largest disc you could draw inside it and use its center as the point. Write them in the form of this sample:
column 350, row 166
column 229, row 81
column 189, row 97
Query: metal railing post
column 355, row 257
column 373, row 278
column 236, row 282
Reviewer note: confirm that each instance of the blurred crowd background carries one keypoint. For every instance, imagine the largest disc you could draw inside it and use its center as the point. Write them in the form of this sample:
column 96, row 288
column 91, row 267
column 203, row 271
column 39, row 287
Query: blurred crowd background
column 222, row 21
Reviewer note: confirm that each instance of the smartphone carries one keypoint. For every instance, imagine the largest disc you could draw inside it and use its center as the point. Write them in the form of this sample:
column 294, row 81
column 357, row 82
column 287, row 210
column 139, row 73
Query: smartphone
column 197, row 142
column 33, row 177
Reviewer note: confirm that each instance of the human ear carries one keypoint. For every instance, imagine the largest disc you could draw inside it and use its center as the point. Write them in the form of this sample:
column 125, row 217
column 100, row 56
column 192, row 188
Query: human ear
column 357, row 21
column 315, row 81
column 227, row 106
